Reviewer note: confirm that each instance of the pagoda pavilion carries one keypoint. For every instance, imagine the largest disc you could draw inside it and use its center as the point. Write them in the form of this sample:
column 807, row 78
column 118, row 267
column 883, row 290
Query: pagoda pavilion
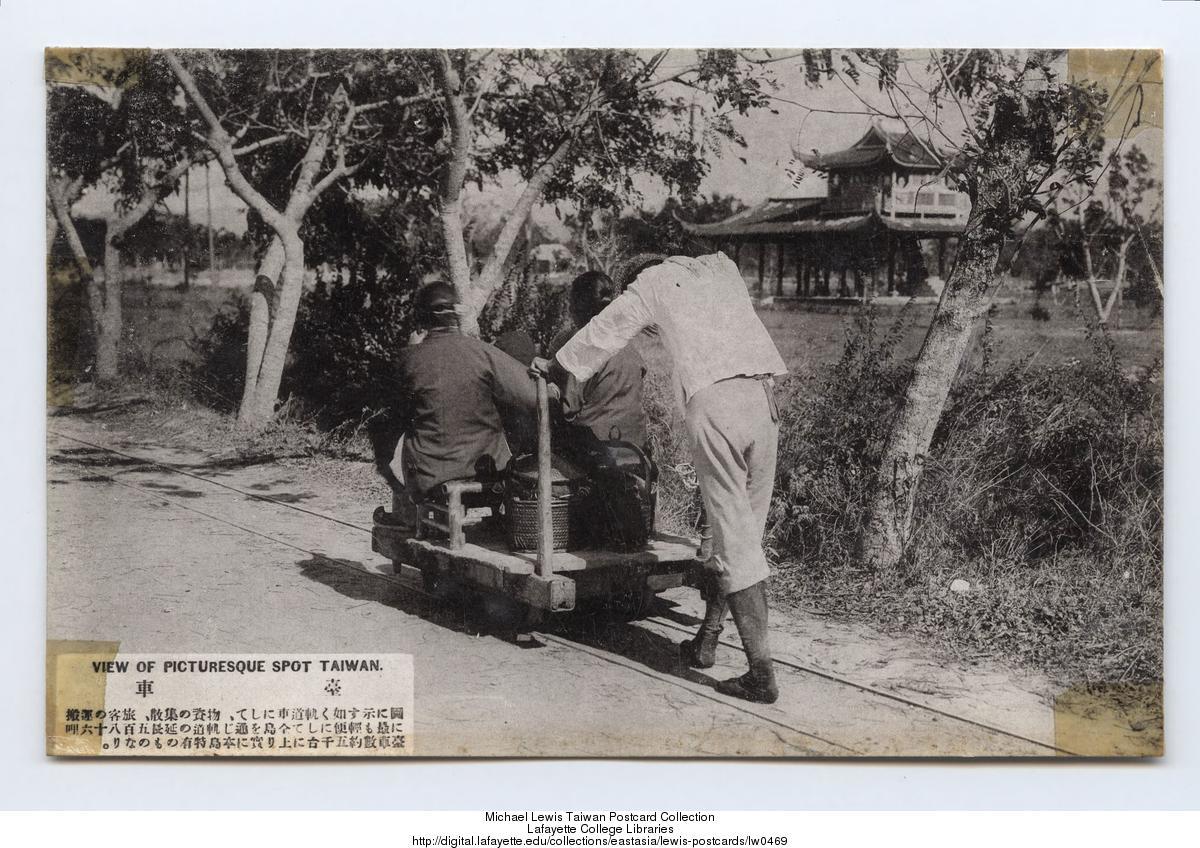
column 882, row 228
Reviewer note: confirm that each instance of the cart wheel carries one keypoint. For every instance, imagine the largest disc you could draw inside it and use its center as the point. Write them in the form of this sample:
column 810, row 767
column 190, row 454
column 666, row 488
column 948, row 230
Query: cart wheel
column 629, row 604
column 432, row 582
column 503, row 614
column 444, row 587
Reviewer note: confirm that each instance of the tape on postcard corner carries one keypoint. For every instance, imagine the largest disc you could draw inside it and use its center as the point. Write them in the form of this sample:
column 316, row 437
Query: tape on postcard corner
column 73, row 688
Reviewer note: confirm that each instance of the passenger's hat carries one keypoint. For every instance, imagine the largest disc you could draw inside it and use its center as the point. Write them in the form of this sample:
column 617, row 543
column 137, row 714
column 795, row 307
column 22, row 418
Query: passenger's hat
column 436, row 304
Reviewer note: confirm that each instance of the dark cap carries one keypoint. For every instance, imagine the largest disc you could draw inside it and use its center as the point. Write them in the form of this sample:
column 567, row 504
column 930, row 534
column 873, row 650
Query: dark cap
column 436, row 305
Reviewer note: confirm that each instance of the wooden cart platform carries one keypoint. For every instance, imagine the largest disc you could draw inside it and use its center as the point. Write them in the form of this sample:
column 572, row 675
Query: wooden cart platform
column 485, row 561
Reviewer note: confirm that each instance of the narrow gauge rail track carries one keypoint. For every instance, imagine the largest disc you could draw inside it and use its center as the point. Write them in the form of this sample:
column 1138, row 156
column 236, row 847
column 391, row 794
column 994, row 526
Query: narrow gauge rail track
column 552, row 638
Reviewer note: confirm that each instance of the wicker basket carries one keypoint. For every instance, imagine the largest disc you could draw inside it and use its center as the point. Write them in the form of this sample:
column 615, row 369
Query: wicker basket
column 521, row 519
column 567, row 504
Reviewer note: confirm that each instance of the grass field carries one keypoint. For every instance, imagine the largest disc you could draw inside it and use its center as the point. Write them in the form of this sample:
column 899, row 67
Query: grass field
column 811, row 339
column 160, row 321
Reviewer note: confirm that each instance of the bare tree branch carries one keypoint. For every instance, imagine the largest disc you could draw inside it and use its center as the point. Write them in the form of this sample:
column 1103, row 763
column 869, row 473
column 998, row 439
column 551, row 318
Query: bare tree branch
column 260, row 144
column 222, row 145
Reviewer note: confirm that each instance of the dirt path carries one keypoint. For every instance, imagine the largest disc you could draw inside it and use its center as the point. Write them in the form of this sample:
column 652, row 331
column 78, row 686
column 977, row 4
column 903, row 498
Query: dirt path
column 158, row 561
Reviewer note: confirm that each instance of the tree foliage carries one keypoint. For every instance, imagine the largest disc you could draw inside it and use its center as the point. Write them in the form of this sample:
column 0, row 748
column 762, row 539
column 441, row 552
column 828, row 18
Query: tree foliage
column 633, row 124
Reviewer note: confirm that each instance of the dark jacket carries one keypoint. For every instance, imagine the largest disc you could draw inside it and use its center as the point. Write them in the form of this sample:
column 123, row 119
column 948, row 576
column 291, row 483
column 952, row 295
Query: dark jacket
column 609, row 403
column 454, row 394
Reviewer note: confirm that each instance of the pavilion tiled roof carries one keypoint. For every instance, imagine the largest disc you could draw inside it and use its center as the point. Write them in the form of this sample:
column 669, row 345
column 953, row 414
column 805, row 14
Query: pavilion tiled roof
column 877, row 145
column 771, row 209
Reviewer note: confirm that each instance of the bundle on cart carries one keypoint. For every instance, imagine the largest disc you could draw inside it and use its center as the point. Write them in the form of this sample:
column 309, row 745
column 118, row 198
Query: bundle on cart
column 622, row 494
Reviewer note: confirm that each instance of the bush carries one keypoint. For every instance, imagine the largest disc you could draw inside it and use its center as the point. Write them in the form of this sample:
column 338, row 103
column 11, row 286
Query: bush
column 832, row 428
column 344, row 343
column 347, row 338
column 1028, row 464
column 217, row 372
column 70, row 345
column 1042, row 490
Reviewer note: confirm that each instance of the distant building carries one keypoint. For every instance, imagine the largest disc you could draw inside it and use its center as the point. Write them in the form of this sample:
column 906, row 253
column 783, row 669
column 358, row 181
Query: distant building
column 551, row 258
column 887, row 208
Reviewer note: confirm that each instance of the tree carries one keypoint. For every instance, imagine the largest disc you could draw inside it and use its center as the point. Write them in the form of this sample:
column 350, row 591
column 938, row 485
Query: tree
column 578, row 125
column 1026, row 135
column 114, row 126
column 1041, row 259
column 286, row 127
column 1108, row 223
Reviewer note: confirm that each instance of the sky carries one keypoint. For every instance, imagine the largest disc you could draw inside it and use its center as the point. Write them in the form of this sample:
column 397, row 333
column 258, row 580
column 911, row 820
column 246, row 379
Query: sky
column 826, row 117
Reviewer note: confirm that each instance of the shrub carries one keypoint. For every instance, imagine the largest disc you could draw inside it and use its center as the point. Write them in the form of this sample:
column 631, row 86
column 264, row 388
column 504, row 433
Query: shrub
column 832, row 428
column 217, row 372
column 1028, row 464
column 347, row 338
column 69, row 342
column 1042, row 489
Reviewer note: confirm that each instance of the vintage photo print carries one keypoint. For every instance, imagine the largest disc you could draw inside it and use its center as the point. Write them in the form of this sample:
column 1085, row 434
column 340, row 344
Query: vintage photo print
column 681, row 403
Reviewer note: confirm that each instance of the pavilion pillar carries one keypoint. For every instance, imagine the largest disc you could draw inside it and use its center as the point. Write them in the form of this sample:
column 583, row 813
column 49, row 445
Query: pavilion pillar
column 941, row 253
column 874, row 269
column 891, row 251
column 799, row 260
column 779, row 269
column 737, row 254
column 762, row 265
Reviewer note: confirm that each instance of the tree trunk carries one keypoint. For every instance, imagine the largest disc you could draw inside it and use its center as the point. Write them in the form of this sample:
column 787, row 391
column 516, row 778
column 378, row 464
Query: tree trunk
column 1114, row 297
column 106, row 315
column 475, row 292
column 964, row 301
column 1093, row 289
column 60, row 201
column 279, row 337
column 458, row 266
column 51, row 229
column 455, row 171
column 262, row 304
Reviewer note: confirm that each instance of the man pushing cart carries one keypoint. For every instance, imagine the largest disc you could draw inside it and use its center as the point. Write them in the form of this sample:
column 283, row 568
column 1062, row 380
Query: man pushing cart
column 725, row 364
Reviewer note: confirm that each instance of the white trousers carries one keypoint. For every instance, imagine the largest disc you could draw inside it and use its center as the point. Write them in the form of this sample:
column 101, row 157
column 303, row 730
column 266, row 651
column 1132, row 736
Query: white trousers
column 734, row 430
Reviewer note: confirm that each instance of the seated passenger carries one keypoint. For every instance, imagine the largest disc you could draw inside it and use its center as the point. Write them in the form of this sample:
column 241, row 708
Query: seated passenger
column 452, row 395
column 609, row 403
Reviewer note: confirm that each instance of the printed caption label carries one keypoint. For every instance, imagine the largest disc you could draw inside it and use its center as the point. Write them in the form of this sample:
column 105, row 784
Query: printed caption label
column 230, row 705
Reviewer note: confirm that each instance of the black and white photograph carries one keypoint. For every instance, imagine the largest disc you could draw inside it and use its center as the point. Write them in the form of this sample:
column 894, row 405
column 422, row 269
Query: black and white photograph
column 613, row 403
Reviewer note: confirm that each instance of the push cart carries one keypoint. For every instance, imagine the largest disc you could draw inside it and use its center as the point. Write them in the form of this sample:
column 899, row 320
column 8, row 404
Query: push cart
column 455, row 545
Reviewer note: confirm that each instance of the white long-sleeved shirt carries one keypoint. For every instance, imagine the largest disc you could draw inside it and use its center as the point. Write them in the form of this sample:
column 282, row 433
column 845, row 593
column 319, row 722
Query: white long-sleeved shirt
column 705, row 319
